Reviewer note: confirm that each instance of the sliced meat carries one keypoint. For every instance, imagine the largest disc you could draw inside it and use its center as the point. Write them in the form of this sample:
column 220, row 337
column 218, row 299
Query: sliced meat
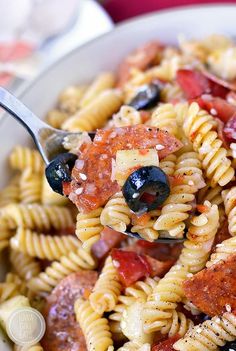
column 63, row 333
column 213, row 290
column 230, row 128
column 159, row 268
column 141, row 58
column 109, row 239
column 92, row 175
column 166, row 345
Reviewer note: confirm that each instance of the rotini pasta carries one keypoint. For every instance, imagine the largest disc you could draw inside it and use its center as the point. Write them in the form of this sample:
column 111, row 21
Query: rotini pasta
column 200, row 238
column 103, row 82
column 176, row 208
column 229, row 197
column 210, row 334
column 134, row 346
column 37, row 216
column 147, row 231
column 167, row 164
column 116, row 213
column 70, row 98
column 223, row 251
column 95, row 328
column 10, row 194
column 161, row 304
column 23, row 157
column 43, row 246
column 95, row 114
column 127, row 116
column 49, row 197
column 107, row 289
column 73, row 262
column 199, row 127
column 164, row 117
column 30, row 187
column 24, row 265
column 88, row 228
column 36, row 347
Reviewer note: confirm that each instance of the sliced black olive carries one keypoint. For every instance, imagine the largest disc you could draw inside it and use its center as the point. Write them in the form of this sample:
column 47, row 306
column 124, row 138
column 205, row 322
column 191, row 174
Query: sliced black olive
column 147, row 97
column 59, row 170
column 146, row 189
column 229, row 346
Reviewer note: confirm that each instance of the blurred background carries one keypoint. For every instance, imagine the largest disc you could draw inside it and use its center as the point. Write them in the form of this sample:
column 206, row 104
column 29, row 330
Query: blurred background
column 35, row 33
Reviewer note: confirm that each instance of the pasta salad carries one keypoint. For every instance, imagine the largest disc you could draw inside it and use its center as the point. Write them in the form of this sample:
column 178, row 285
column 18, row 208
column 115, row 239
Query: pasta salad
column 161, row 165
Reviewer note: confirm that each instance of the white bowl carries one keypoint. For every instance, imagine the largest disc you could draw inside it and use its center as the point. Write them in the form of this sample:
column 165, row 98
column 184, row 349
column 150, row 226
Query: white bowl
column 105, row 53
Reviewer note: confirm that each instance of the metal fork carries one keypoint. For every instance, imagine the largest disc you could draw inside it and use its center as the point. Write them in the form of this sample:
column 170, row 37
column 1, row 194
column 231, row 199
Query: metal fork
column 49, row 142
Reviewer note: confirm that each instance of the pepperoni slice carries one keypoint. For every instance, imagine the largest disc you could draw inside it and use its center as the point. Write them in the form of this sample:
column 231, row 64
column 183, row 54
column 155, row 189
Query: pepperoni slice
column 92, row 183
column 166, row 345
column 63, row 333
column 109, row 239
column 141, row 58
column 213, row 290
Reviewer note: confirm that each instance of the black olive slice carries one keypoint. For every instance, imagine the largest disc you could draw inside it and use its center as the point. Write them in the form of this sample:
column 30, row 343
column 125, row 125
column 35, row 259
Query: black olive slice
column 229, row 346
column 146, row 189
column 147, row 97
column 59, row 170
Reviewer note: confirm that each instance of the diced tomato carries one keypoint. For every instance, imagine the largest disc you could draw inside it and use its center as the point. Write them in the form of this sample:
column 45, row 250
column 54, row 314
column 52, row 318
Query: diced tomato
column 66, row 188
column 213, row 288
column 141, row 219
column 94, row 177
column 109, row 239
column 159, row 268
column 143, row 152
column 202, row 208
column 176, row 180
column 193, row 83
column 230, row 128
column 166, row 345
column 141, row 58
column 131, row 266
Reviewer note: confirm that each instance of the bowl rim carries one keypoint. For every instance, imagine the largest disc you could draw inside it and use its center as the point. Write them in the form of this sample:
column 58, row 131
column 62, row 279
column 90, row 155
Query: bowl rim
column 118, row 27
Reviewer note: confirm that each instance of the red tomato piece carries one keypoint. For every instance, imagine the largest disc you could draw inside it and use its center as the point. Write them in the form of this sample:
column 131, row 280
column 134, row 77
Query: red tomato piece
column 193, row 83
column 93, row 175
column 109, row 239
column 166, row 345
column 141, row 58
column 131, row 266
column 148, row 198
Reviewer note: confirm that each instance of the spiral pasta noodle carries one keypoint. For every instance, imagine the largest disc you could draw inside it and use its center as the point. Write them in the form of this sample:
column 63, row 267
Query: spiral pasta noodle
column 70, row 98
column 50, row 197
column 95, row 328
column 73, row 262
column 167, row 164
column 210, row 334
column 116, row 213
column 229, row 197
column 147, row 231
column 24, row 157
column 107, row 289
column 210, row 194
column 95, row 114
column 134, row 346
column 200, row 238
column 223, row 251
column 164, row 117
column 199, row 127
column 56, row 118
column 30, row 187
column 43, row 246
column 161, row 304
column 176, row 208
column 38, row 217
column 102, row 82
column 10, row 194
column 138, row 291
column 127, row 116
column 36, row 347
column 10, row 287
column 24, row 265
column 170, row 92
column 178, row 324
column 88, row 228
